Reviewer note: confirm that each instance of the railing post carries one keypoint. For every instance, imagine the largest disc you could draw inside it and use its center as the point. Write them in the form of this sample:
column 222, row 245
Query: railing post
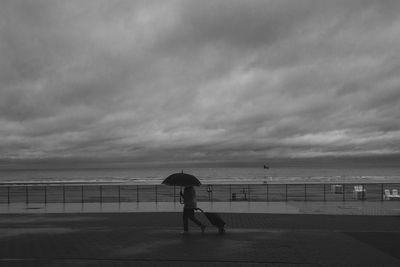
column 45, row 194
column 174, row 194
column 119, row 193
column 230, row 192
column 26, row 195
column 344, row 192
column 267, row 193
column 137, row 193
column 286, row 192
column 324, row 192
column 8, row 194
column 63, row 193
column 101, row 194
column 382, row 192
column 82, row 194
column 363, row 193
column 248, row 191
column 305, row 192
column 156, row 193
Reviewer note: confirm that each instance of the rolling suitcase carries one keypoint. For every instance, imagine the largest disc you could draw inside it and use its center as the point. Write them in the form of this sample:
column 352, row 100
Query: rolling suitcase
column 215, row 220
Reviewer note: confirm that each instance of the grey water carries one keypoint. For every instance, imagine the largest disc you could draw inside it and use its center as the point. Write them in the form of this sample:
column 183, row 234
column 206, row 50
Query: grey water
column 208, row 175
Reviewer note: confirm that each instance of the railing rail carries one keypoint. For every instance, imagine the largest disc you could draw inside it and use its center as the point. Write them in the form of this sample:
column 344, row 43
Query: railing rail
column 87, row 193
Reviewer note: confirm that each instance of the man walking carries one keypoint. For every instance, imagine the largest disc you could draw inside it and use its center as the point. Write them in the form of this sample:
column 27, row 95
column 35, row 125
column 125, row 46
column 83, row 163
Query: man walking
column 190, row 205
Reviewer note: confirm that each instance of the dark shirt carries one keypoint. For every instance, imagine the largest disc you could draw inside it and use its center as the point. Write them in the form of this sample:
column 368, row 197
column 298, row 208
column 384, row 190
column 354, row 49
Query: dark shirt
column 189, row 198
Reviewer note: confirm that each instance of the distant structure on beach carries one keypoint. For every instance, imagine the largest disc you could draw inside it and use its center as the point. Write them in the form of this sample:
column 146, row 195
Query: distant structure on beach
column 266, row 167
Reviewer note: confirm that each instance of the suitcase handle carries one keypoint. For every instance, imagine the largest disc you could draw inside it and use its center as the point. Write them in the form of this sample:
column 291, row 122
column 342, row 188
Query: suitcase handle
column 200, row 210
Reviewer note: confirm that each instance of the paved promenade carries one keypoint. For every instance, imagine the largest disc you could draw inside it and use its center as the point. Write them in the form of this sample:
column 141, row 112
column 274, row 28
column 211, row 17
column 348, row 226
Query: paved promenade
column 153, row 239
column 290, row 207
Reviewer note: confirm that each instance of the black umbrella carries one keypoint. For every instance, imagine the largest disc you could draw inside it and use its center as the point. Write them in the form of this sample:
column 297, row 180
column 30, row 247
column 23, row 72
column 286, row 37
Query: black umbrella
column 181, row 179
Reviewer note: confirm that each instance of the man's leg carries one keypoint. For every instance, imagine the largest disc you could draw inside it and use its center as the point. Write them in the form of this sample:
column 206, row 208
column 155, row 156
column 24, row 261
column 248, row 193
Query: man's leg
column 191, row 216
column 185, row 218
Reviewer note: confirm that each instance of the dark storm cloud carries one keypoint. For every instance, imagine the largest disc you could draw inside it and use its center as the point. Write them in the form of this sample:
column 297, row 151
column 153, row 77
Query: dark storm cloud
column 198, row 80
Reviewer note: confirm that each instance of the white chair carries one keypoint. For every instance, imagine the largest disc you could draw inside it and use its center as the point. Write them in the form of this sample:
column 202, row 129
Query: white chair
column 336, row 188
column 359, row 192
column 387, row 195
column 395, row 194
column 355, row 192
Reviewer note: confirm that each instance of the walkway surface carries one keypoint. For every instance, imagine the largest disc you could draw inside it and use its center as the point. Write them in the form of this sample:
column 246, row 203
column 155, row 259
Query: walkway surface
column 154, row 239
column 289, row 207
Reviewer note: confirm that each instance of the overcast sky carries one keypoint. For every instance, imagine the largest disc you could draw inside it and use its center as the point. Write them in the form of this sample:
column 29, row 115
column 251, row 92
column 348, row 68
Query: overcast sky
column 199, row 80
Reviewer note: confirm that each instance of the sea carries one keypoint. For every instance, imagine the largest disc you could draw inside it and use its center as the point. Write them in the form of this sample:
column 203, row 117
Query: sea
column 207, row 175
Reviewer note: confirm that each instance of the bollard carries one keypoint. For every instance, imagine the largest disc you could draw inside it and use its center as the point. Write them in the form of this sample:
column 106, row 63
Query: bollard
column 210, row 191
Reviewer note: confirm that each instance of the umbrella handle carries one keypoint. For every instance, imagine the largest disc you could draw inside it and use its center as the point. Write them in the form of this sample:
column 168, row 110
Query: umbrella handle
column 181, row 200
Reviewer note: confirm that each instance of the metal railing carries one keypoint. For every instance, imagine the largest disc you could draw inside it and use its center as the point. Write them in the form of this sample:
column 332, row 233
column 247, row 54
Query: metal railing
column 99, row 193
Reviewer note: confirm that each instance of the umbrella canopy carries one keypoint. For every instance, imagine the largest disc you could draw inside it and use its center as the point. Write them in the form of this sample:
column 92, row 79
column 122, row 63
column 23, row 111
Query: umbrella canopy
column 181, row 179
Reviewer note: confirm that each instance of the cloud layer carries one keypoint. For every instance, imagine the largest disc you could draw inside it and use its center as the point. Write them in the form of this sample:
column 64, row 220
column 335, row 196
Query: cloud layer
column 199, row 80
